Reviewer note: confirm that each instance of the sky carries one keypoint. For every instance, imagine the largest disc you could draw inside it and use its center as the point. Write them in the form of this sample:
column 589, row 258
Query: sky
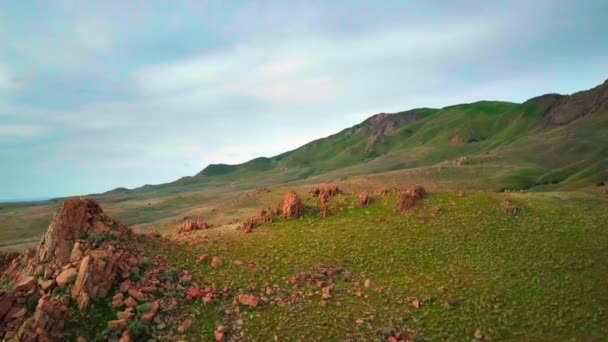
column 96, row 95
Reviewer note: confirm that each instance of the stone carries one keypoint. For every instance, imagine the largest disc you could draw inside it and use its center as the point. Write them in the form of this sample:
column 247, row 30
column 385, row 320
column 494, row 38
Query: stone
column 118, row 324
column 126, row 315
column 47, row 284
column 125, row 285
column 17, row 313
column 131, row 302
column 368, row 283
column 138, row 295
column 118, row 300
column 65, row 276
column 185, row 326
column 249, row 300
column 416, row 303
column 292, row 206
column 194, row 292
column 26, row 284
column 149, row 316
column 478, row 335
column 216, row 262
column 76, row 252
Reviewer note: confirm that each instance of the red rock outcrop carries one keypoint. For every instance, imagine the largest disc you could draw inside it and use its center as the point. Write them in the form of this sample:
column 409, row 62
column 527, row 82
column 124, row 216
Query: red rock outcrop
column 292, row 206
column 409, row 197
column 364, row 200
column 509, row 208
column 192, row 225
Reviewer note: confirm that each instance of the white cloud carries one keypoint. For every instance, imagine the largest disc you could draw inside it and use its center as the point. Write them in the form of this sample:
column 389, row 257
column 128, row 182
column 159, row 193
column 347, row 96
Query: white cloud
column 68, row 44
column 314, row 68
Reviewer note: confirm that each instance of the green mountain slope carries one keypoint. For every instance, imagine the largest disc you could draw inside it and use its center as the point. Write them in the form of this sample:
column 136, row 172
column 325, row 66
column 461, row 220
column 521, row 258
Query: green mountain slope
column 547, row 142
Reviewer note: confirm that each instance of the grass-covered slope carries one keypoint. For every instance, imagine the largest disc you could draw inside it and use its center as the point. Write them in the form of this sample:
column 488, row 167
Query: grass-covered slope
column 539, row 139
column 537, row 276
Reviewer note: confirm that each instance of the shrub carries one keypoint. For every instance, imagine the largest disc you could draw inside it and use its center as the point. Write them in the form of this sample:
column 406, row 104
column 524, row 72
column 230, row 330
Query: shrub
column 139, row 330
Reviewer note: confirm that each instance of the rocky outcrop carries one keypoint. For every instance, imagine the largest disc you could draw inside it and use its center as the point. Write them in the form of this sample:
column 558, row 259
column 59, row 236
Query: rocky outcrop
column 192, row 225
column 75, row 252
column 364, row 200
column 560, row 110
column 410, row 197
column 292, row 206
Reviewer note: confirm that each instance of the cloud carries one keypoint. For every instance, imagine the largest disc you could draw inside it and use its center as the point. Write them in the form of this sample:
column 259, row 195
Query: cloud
column 67, row 45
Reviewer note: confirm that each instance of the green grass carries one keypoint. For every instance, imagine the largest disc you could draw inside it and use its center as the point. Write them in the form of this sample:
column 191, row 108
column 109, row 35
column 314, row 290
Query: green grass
column 537, row 276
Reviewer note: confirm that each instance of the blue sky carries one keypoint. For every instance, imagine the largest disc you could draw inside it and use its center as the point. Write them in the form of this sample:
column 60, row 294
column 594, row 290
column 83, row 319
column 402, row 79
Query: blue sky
column 100, row 94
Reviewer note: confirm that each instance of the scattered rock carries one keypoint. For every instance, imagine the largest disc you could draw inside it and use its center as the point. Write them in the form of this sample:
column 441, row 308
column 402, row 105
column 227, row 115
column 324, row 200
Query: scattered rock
column 364, row 200
column 249, row 300
column 119, row 324
column 151, row 314
column 136, row 294
column 216, row 262
column 478, row 335
column 416, row 303
column 509, row 208
column 131, row 302
column 192, row 225
column 368, row 283
column 185, row 326
column 125, row 285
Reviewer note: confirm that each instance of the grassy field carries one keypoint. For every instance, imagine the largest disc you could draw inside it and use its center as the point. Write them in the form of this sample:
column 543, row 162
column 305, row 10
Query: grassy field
column 539, row 275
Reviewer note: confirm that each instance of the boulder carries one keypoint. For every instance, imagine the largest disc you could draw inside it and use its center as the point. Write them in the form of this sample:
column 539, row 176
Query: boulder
column 249, row 300
column 65, row 276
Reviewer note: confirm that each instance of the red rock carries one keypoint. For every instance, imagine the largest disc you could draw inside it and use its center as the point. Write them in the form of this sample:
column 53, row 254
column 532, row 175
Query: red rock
column 216, row 262
column 126, row 336
column 208, row 298
column 359, row 321
column 118, row 300
column 238, row 262
column 364, row 200
column 138, row 295
column 202, row 258
column 17, row 313
column 249, row 300
column 26, row 284
column 148, row 289
column 81, row 339
column 131, row 302
column 6, row 303
column 192, row 225
column 185, row 326
column 125, row 315
column 47, row 284
column 76, row 252
column 63, row 277
column 125, row 285
column 194, row 292
column 416, row 303
column 368, row 283
column 478, row 335
column 292, row 206
column 119, row 324
column 149, row 316
column 409, row 197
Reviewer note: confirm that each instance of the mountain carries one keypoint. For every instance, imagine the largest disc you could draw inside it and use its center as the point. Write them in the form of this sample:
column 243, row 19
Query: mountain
column 547, row 140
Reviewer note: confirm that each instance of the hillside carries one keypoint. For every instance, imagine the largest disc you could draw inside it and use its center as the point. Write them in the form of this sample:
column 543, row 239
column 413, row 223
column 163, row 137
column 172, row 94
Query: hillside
column 548, row 143
column 485, row 131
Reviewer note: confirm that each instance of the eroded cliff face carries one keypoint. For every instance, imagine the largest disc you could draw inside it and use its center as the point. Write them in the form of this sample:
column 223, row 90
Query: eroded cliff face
column 564, row 109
